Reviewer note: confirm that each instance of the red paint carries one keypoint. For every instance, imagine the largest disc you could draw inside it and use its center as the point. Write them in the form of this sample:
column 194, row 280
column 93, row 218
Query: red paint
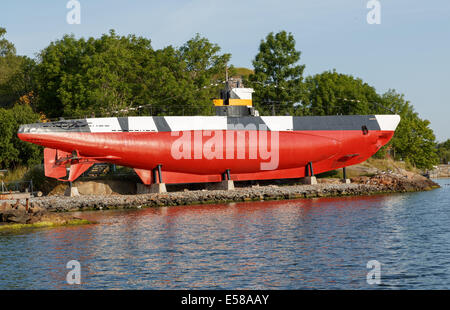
column 328, row 150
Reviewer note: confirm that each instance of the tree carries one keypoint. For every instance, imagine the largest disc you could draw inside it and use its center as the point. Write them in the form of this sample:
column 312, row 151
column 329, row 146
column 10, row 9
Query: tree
column 443, row 150
column 203, row 68
column 332, row 93
column 414, row 140
column 14, row 152
column 8, row 154
column 82, row 77
column 28, row 154
column 79, row 77
column 16, row 73
column 6, row 47
column 278, row 78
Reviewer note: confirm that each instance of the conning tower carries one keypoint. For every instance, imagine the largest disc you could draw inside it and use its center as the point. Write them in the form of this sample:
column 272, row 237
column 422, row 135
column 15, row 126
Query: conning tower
column 235, row 101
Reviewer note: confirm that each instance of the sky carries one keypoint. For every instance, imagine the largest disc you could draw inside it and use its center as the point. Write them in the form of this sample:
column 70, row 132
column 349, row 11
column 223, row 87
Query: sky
column 408, row 51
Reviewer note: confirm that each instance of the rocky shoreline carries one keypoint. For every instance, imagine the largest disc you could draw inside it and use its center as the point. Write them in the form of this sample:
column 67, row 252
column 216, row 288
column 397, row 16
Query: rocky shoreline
column 17, row 215
column 360, row 186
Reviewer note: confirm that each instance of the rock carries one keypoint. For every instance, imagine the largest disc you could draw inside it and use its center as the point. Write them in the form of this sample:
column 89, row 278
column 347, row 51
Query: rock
column 364, row 185
column 35, row 209
column 21, row 208
column 5, row 207
column 15, row 216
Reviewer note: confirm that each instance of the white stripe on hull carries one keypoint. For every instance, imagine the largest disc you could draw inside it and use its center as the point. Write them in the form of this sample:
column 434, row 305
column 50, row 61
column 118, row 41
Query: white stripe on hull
column 388, row 122
column 180, row 123
column 141, row 123
column 279, row 123
column 107, row 124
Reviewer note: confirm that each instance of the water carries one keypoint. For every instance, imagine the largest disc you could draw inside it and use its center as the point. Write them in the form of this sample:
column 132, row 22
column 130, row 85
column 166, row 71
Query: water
column 297, row 244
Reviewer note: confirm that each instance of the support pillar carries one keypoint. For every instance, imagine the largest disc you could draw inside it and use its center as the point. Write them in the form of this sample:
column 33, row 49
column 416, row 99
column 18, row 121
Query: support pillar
column 159, row 174
column 311, row 169
column 157, row 186
column 344, row 176
column 71, row 191
column 227, row 184
column 309, row 179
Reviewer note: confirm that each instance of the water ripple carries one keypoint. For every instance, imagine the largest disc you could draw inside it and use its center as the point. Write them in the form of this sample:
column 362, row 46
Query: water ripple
column 298, row 244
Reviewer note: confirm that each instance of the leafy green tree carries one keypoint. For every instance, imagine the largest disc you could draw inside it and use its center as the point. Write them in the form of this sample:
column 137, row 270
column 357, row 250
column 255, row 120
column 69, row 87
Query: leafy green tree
column 443, row 150
column 414, row 141
column 278, row 76
column 204, row 67
column 8, row 153
column 332, row 93
column 16, row 73
column 28, row 154
column 94, row 76
column 13, row 151
column 6, row 47
column 78, row 77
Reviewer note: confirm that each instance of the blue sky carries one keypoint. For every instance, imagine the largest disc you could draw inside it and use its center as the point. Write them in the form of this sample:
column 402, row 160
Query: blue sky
column 408, row 51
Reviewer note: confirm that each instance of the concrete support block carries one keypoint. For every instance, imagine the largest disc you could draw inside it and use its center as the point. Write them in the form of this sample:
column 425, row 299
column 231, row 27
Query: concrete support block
column 226, row 185
column 72, row 191
column 346, row 181
column 151, row 189
column 310, row 180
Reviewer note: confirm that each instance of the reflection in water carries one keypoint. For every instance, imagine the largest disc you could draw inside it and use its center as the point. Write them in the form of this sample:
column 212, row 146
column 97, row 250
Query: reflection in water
column 306, row 243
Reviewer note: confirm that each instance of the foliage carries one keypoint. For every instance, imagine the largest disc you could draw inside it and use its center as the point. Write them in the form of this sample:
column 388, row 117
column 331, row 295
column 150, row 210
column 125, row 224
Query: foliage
column 83, row 77
column 203, row 68
column 443, row 150
column 278, row 78
column 8, row 153
column 6, row 47
column 13, row 151
column 113, row 73
column 16, row 73
column 40, row 181
column 332, row 93
column 414, row 140
column 243, row 72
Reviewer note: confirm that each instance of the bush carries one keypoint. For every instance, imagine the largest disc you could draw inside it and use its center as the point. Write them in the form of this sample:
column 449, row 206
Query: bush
column 40, row 181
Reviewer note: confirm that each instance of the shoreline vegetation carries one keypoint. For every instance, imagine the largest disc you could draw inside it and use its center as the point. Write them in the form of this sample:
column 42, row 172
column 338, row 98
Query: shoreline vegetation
column 14, row 217
column 7, row 227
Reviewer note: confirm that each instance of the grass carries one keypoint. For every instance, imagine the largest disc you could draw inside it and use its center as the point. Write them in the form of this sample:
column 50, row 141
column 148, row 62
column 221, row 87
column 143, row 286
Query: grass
column 244, row 72
column 389, row 164
column 380, row 164
column 16, row 174
column 13, row 227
